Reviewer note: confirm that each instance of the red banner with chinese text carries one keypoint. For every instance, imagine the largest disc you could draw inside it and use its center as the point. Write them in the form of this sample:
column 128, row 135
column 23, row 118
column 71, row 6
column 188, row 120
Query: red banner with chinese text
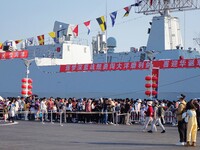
column 137, row 65
column 14, row 54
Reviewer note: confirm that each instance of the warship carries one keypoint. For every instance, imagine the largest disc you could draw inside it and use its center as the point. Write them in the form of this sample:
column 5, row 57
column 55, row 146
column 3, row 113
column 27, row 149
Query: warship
column 67, row 68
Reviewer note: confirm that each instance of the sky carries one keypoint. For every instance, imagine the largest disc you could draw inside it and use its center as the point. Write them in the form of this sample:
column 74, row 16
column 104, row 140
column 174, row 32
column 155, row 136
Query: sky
column 23, row 19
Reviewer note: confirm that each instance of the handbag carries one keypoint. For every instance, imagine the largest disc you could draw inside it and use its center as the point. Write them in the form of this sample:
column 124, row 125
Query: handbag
column 185, row 117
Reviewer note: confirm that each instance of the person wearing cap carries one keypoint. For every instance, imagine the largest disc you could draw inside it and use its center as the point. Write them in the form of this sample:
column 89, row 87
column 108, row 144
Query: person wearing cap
column 181, row 123
column 157, row 118
column 149, row 115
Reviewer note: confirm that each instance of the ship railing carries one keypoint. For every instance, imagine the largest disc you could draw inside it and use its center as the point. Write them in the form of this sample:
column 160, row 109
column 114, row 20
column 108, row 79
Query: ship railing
column 64, row 116
column 50, row 41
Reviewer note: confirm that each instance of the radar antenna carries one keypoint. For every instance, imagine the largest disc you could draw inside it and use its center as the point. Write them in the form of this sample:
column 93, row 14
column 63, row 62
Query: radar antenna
column 163, row 7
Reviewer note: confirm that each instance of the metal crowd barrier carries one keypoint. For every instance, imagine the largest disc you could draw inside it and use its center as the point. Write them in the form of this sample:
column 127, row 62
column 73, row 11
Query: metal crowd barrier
column 168, row 118
column 62, row 116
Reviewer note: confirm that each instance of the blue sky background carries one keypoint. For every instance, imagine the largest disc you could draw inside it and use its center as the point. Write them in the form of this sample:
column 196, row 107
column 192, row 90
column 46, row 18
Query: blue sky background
column 22, row 19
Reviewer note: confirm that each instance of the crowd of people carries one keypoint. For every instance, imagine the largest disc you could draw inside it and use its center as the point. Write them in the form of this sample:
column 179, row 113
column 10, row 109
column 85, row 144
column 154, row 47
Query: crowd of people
column 106, row 111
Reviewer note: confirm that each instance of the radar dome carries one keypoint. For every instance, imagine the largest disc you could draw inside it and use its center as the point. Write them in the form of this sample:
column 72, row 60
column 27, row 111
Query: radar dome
column 111, row 42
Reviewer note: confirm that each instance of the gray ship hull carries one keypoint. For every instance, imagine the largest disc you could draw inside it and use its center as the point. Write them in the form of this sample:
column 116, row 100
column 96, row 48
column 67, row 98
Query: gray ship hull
column 48, row 81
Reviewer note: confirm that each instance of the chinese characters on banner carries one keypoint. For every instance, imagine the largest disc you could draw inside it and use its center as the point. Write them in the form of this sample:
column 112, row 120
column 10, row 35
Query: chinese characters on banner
column 138, row 65
column 14, row 54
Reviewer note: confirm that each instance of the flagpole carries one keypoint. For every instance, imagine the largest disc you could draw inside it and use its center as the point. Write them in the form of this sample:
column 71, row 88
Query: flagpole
column 106, row 30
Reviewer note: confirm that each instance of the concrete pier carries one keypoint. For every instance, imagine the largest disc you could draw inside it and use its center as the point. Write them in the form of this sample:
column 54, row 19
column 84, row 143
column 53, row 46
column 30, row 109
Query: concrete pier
column 27, row 135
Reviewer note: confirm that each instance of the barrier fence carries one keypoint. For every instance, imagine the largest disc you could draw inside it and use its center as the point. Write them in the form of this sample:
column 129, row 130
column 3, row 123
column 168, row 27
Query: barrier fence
column 88, row 117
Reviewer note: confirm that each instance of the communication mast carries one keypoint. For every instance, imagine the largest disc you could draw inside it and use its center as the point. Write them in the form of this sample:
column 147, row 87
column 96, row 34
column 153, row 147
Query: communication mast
column 165, row 33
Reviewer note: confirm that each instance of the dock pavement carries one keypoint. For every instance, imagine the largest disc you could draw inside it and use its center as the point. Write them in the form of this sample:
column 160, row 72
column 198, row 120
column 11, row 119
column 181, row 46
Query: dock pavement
column 27, row 135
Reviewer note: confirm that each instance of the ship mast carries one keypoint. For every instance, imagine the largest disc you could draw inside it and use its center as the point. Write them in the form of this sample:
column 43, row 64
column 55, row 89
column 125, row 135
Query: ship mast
column 106, row 31
column 165, row 33
column 163, row 7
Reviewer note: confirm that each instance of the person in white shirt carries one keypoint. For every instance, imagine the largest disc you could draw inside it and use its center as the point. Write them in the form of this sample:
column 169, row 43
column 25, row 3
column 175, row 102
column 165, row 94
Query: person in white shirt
column 137, row 109
column 17, row 108
column 43, row 108
column 11, row 111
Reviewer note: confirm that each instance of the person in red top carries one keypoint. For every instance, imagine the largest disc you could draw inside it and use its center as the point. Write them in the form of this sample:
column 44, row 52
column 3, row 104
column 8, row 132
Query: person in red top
column 149, row 115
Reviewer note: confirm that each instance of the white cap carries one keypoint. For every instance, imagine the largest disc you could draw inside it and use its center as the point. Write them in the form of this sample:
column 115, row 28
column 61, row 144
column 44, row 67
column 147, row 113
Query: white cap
column 149, row 102
column 1, row 98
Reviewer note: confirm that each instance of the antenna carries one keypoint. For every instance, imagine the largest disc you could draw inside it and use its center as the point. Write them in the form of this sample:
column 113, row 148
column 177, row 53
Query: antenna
column 163, row 7
column 106, row 30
